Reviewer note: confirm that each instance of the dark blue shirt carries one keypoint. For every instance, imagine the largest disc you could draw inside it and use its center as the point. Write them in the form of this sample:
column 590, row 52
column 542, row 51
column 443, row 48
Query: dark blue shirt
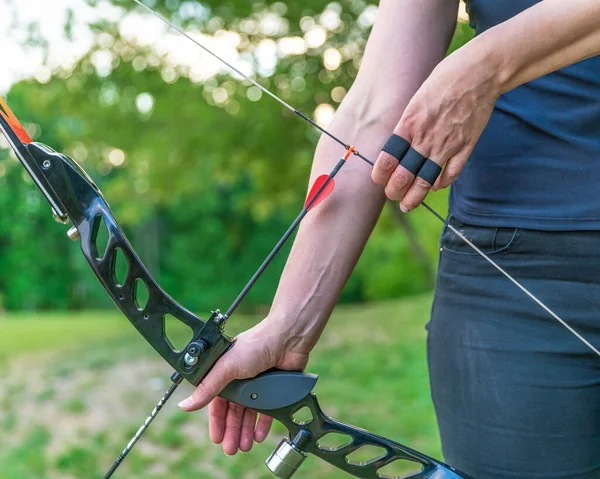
column 537, row 164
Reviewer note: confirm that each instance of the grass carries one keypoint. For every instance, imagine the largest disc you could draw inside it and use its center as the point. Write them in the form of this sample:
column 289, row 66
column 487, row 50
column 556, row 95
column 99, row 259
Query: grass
column 30, row 333
column 74, row 387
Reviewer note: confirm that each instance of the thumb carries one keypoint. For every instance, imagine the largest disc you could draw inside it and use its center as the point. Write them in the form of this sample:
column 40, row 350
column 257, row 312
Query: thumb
column 220, row 376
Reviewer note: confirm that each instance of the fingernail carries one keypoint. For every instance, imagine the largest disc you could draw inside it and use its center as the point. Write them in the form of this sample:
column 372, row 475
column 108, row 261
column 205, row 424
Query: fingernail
column 434, row 189
column 404, row 209
column 186, row 402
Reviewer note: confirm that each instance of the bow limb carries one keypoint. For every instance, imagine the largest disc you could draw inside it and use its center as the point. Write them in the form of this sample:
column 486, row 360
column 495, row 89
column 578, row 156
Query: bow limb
column 288, row 397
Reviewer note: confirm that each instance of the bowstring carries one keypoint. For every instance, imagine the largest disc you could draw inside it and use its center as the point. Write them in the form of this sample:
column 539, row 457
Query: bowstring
column 347, row 146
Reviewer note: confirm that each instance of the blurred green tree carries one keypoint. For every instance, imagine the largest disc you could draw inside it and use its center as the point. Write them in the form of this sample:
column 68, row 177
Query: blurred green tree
column 202, row 177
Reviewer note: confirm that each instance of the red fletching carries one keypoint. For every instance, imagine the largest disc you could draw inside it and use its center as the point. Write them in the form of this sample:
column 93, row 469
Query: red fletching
column 316, row 187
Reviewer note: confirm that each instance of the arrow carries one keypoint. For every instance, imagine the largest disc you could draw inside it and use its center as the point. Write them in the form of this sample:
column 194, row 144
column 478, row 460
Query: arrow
column 14, row 123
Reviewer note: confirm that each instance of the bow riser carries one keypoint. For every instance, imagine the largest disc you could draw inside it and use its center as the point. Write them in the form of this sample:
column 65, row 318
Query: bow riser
column 86, row 207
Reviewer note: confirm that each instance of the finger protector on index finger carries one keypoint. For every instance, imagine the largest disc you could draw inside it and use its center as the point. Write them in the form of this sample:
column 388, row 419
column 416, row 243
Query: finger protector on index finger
column 396, row 146
column 391, row 154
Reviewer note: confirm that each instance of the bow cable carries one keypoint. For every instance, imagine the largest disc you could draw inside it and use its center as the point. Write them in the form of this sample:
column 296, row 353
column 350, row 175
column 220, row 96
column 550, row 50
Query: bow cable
column 357, row 153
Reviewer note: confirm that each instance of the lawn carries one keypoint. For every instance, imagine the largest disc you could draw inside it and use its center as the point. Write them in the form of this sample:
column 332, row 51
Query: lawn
column 75, row 386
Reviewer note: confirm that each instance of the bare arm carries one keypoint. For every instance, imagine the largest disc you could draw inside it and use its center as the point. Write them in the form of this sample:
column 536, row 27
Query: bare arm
column 408, row 40
column 443, row 120
column 546, row 37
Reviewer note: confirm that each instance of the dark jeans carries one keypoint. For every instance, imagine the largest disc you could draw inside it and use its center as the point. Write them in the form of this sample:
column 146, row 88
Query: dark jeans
column 516, row 395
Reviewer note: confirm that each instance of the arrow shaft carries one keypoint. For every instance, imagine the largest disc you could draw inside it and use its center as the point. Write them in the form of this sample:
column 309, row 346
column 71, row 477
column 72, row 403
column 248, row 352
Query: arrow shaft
column 283, row 240
column 144, row 427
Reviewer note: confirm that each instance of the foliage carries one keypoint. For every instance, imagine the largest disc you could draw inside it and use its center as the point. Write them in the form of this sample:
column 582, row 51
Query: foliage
column 24, row 234
column 202, row 177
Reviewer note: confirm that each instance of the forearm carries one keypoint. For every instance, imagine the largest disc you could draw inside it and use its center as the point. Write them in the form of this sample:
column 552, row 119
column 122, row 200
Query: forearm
column 397, row 60
column 330, row 239
column 544, row 38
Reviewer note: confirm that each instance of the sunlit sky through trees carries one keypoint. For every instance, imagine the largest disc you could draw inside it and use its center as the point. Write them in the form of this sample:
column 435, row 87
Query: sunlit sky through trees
column 177, row 144
column 23, row 50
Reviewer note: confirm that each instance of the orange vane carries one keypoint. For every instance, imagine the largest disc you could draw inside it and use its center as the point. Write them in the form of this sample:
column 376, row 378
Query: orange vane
column 14, row 123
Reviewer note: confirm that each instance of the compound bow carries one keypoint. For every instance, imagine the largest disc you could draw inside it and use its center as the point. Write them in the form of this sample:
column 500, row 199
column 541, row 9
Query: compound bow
column 74, row 198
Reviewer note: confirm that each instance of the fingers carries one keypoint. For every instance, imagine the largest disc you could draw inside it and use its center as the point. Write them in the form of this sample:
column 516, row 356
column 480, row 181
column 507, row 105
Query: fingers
column 411, row 165
column 220, row 376
column 415, row 195
column 263, row 428
column 385, row 165
column 387, row 162
column 411, row 179
column 405, row 170
column 233, row 428
column 239, row 429
column 248, row 427
column 217, row 414
column 453, row 167
column 408, row 174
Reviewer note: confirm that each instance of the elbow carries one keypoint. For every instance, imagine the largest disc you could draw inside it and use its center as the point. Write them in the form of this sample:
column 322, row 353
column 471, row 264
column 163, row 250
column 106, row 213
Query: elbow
column 369, row 111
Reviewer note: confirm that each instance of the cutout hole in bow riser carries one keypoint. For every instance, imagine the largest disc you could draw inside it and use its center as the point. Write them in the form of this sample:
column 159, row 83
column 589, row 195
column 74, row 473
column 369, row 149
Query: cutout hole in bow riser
column 303, row 416
column 366, row 455
column 400, row 469
column 120, row 267
column 141, row 294
column 177, row 333
column 99, row 237
column 334, row 441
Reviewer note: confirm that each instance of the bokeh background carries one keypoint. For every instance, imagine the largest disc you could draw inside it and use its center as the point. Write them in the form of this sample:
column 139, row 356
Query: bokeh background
column 204, row 173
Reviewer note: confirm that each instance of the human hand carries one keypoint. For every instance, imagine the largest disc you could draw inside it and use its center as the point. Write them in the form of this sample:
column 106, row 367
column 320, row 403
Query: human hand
column 261, row 348
column 442, row 122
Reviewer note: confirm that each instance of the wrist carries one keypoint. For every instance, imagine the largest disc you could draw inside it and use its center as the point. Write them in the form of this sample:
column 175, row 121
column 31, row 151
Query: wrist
column 291, row 334
column 486, row 57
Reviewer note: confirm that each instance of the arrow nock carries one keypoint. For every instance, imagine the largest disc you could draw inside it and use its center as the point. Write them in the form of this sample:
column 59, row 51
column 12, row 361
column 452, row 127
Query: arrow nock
column 349, row 150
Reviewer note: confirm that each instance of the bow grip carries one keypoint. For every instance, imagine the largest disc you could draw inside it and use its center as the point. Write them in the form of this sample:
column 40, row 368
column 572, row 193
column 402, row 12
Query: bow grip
column 274, row 389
